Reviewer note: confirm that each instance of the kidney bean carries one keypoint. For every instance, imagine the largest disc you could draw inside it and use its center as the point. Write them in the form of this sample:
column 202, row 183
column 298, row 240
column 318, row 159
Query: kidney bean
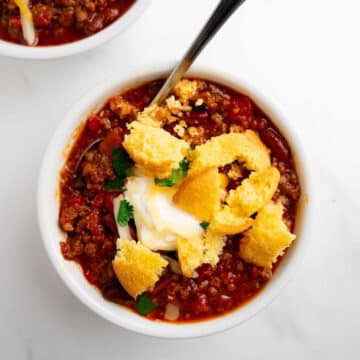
column 197, row 117
column 96, row 24
column 108, row 201
column 276, row 143
column 109, row 221
column 116, row 293
column 110, row 14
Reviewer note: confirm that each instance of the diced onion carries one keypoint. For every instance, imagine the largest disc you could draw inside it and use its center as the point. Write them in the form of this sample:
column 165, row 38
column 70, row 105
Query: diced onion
column 171, row 312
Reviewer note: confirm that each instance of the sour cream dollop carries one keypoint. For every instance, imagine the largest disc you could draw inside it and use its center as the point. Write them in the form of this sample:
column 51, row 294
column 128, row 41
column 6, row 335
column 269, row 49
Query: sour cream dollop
column 159, row 222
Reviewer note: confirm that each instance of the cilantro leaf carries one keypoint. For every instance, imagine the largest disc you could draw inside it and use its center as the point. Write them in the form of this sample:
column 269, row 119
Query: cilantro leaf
column 125, row 213
column 144, row 305
column 176, row 175
column 114, row 184
column 121, row 162
column 204, row 225
column 122, row 165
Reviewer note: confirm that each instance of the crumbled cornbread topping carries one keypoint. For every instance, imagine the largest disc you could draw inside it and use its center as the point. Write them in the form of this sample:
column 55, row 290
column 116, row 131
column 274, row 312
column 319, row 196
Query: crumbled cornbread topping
column 268, row 237
column 202, row 193
column 154, row 149
column 199, row 196
column 254, row 192
column 224, row 149
column 137, row 267
column 186, row 90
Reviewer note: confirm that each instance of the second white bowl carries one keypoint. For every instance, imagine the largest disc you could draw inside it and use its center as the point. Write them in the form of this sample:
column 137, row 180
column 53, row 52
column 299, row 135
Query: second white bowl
column 58, row 51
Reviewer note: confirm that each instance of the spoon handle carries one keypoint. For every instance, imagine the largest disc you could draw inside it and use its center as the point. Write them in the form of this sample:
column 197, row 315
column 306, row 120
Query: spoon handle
column 223, row 11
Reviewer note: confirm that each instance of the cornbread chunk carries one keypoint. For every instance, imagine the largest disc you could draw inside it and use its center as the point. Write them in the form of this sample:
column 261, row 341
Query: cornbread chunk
column 268, row 238
column 155, row 116
column 200, row 193
column 226, row 222
column 213, row 245
column 154, row 149
column 190, row 253
column 224, row 149
column 193, row 252
column 186, row 90
column 254, row 192
column 137, row 267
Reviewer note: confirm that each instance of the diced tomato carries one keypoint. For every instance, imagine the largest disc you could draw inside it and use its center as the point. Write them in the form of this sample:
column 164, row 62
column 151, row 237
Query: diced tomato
column 254, row 272
column 94, row 123
column 79, row 200
column 64, row 247
column 42, row 16
column 112, row 140
column 99, row 200
column 240, row 109
column 91, row 277
column 15, row 22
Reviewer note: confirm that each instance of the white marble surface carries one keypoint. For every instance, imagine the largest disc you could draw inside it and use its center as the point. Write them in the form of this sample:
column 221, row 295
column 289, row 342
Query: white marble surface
column 306, row 55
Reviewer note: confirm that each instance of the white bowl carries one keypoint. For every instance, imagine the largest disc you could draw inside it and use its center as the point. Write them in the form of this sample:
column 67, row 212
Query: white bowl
column 70, row 272
column 58, row 51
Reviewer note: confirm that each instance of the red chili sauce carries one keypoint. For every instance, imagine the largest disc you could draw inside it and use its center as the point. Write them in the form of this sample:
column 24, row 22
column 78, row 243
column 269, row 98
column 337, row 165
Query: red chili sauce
column 61, row 21
column 86, row 213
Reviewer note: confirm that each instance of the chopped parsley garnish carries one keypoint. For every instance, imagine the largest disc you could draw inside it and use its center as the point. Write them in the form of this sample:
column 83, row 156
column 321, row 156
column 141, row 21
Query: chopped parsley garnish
column 122, row 165
column 176, row 175
column 125, row 213
column 144, row 305
column 204, row 225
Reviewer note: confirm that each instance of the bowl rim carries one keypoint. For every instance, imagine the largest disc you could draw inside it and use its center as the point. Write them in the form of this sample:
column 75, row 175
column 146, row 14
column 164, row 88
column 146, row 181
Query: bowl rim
column 59, row 51
column 77, row 114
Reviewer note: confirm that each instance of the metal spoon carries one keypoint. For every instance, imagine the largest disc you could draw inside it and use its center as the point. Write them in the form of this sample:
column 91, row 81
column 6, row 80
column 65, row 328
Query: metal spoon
column 220, row 15
column 87, row 149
